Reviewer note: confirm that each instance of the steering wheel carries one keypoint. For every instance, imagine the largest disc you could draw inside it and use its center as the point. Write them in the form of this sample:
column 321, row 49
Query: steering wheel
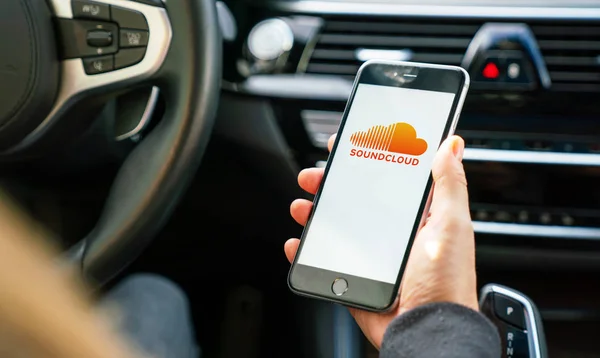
column 61, row 59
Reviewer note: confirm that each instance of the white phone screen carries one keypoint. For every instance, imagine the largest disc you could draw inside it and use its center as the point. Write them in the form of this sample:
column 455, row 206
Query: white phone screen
column 376, row 182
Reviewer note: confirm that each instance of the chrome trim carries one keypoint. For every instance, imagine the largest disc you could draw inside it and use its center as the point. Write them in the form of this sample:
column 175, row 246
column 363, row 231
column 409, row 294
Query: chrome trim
column 557, row 232
column 333, row 117
column 146, row 116
column 318, row 87
column 532, row 324
column 366, row 54
column 531, row 157
column 74, row 80
column 458, row 11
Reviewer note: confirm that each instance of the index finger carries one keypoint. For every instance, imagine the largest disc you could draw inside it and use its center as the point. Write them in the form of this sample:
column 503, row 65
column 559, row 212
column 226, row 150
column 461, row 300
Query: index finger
column 450, row 193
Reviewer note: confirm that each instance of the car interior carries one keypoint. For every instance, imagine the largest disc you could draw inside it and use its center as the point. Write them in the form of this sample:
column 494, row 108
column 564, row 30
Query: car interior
column 166, row 136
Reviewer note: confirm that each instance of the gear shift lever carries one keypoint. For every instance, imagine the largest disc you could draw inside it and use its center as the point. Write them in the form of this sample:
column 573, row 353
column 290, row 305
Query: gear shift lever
column 517, row 319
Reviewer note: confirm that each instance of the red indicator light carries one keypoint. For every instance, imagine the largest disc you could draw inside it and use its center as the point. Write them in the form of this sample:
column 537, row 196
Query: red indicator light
column 491, row 71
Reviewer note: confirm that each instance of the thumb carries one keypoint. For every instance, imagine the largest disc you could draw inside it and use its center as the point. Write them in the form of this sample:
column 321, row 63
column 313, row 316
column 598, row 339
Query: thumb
column 450, row 183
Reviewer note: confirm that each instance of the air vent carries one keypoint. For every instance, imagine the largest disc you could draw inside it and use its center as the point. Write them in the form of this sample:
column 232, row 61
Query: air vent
column 431, row 41
column 572, row 53
column 571, row 50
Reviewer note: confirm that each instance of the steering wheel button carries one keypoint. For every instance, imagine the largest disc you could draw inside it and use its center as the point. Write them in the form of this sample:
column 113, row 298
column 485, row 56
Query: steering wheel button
column 133, row 38
column 76, row 40
column 90, row 10
column 99, row 38
column 96, row 65
column 128, row 18
column 510, row 311
column 129, row 57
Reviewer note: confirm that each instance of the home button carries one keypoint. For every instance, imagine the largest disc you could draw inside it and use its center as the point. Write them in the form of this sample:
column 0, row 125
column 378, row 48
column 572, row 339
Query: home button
column 339, row 286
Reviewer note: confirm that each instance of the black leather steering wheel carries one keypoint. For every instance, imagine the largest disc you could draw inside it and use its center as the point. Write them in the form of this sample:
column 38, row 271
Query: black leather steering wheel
column 71, row 54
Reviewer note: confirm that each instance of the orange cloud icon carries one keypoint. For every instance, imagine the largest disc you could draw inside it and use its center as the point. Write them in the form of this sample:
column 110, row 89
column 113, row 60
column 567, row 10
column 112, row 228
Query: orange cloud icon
column 397, row 138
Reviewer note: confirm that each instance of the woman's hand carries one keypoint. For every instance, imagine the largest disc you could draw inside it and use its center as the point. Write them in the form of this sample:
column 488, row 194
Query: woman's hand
column 441, row 266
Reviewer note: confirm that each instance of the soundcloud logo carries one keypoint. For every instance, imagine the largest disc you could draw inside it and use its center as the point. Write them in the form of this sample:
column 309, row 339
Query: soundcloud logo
column 398, row 139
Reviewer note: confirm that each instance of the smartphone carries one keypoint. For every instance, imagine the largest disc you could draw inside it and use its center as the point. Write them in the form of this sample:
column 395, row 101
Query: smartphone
column 377, row 183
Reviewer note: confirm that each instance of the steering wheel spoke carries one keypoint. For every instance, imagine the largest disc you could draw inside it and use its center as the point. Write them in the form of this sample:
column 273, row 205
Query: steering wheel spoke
column 102, row 47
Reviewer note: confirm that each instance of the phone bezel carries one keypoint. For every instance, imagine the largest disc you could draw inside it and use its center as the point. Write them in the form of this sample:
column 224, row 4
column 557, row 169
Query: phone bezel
column 384, row 294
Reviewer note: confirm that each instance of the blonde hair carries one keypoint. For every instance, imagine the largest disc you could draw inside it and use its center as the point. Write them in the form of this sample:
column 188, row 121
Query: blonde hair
column 44, row 311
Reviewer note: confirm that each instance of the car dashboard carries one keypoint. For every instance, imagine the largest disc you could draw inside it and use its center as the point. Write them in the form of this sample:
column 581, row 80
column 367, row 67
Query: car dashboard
column 530, row 122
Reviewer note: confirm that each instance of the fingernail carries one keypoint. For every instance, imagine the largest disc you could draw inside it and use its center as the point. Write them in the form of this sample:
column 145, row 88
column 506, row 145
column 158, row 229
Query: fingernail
column 458, row 148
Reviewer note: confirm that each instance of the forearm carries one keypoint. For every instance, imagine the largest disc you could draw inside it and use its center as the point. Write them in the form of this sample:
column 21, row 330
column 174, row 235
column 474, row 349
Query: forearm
column 42, row 312
column 441, row 330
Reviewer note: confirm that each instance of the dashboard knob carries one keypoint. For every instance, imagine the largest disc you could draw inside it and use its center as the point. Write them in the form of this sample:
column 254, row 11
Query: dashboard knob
column 270, row 39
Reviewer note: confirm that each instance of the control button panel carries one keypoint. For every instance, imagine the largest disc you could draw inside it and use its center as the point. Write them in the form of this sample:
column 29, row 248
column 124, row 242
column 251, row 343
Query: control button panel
column 83, row 9
column 533, row 215
column 504, row 69
column 104, row 37
column 128, row 18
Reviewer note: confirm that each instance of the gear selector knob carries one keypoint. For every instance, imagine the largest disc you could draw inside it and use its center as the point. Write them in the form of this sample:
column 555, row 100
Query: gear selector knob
column 518, row 321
